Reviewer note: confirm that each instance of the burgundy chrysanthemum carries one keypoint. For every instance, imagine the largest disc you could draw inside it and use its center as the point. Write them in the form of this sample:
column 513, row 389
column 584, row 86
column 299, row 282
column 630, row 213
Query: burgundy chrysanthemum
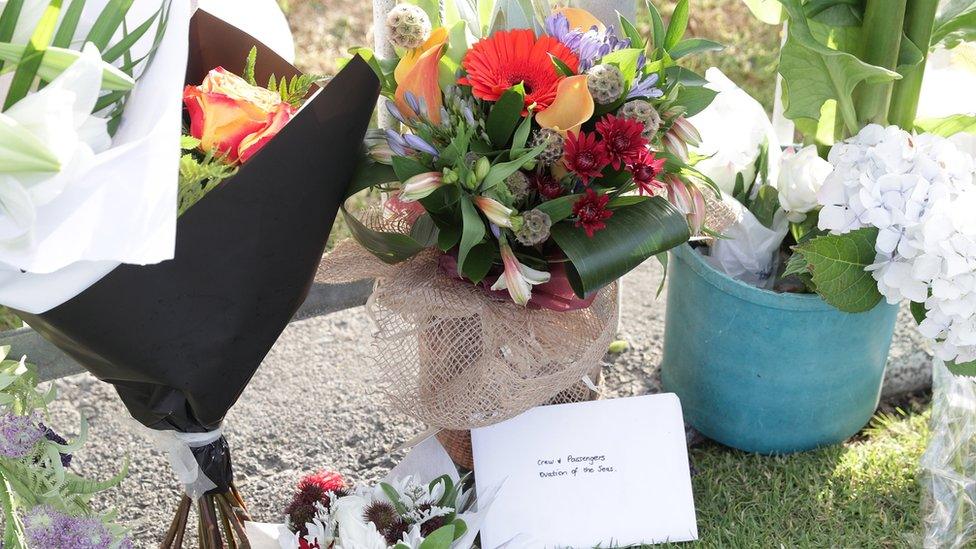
column 622, row 138
column 547, row 185
column 591, row 211
column 645, row 170
column 585, row 156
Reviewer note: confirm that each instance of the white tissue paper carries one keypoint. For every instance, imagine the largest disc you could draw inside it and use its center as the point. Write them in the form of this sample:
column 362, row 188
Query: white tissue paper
column 733, row 129
column 111, row 206
column 749, row 250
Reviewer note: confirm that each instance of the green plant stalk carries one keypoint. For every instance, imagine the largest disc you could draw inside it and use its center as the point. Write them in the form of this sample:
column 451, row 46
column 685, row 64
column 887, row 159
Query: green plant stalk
column 880, row 45
column 919, row 21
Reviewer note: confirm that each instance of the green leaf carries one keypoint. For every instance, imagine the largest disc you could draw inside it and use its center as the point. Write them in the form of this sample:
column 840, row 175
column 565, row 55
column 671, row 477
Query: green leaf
column 521, row 136
column 108, row 22
column 626, row 60
column 389, row 247
column 949, row 126
column 967, row 369
column 30, row 61
column 631, row 32
column 8, row 20
column 442, row 538
column 632, row 235
column 663, row 260
column 693, row 46
column 683, row 76
column 505, row 116
column 368, row 175
column 838, row 264
column 406, row 167
column 499, row 172
column 69, row 24
column 559, row 208
column 813, row 73
column 955, row 23
column 460, row 528
column 394, row 497
column 767, row 11
column 124, row 45
column 918, row 311
column 677, row 26
column 695, row 99
column 657, row 28
column 561, row 67
column 54, row 61
column 765, row 206
column 472, row 231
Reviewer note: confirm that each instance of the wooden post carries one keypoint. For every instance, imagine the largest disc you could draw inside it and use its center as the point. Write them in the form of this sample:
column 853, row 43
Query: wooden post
column 384, row 50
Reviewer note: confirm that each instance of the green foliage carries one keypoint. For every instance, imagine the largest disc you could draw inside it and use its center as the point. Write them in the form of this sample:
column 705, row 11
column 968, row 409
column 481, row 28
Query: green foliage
column 199, row 174
column 505, row 116
column 955, row 23
column 838, row 265
column 57, row 30
column 813, row 73
column 39, row 478
column 293, row 91
column 766, row 205
column 948, row 126
column 634, row 234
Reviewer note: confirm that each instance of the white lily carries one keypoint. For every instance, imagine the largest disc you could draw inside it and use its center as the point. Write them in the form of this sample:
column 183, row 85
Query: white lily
column 518, row 279
column 56, row 121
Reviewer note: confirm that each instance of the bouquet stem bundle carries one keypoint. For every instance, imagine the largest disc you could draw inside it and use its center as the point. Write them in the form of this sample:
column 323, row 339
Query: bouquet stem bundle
column 221, row 523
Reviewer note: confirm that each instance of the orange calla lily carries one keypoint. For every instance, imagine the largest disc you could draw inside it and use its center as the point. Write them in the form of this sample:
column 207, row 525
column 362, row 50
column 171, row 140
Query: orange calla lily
column 573, row 106
column 422, row 82
column 437, row 38
column 581, row 19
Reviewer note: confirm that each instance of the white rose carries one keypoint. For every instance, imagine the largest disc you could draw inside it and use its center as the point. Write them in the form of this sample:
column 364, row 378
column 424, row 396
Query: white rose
column 801, row 175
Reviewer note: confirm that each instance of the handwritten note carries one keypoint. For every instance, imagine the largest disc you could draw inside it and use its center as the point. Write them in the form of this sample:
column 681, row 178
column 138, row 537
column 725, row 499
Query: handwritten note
column 602, row 473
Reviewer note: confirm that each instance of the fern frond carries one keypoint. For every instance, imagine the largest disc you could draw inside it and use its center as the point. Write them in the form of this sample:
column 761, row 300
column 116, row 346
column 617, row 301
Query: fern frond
column 200, row 176
column 252, row 59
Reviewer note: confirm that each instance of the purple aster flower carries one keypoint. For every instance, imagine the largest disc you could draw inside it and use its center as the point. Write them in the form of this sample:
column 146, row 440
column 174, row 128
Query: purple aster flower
column 417, row 143
column 644, row 86
column 48, row 528
column 590, row 46
column 19, row 435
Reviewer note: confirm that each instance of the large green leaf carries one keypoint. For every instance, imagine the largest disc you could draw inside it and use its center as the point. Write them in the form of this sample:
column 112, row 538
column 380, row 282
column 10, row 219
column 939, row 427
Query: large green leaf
column 657, row 29
column 814, row 73
column 949, row 126
column 472, row 231
column 677, row 25
column 389, row 247
column 30, row 62
column 839, row 264
column 692, row 46
column 955, row 23
column 633, row 234
column 695, row 99
column 370, row 174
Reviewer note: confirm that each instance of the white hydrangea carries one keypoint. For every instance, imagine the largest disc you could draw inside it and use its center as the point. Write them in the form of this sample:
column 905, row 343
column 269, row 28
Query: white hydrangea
column 920, row 193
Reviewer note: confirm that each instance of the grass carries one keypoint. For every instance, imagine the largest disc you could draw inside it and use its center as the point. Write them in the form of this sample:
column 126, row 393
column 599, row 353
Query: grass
column 862, row 494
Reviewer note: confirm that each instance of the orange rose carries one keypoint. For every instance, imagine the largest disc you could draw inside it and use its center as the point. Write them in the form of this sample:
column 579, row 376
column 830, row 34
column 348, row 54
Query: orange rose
column 232, row 116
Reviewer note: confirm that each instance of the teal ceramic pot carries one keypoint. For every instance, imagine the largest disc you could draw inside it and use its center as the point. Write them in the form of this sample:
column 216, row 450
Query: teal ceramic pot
column 766, row 372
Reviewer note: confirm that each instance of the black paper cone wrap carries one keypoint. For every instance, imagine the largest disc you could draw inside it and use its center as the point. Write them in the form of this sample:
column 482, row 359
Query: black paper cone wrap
column 180, row 340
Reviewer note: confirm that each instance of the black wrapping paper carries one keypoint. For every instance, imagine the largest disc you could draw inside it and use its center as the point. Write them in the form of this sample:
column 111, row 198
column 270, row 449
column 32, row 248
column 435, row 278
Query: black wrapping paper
column 180, row 340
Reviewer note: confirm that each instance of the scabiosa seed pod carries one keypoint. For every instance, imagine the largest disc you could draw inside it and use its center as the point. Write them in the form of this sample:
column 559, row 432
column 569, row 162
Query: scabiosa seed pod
column 382, row 514
column 606, row 83
column 643, row 111
column 555, row 146
column 408, row 26
column 535, row 228
column 519, row 185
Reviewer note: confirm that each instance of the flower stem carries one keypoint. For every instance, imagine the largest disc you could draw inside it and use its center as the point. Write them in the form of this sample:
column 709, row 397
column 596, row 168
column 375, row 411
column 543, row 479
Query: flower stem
column 880, row 45
column 919, row 20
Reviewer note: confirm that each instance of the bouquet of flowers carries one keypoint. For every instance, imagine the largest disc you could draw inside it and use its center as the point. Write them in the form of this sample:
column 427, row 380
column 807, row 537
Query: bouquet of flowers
column 405, row 511
column 181, row 339
column 44, row 504
column 88, row 142
column 539, row 156
column 877, row 205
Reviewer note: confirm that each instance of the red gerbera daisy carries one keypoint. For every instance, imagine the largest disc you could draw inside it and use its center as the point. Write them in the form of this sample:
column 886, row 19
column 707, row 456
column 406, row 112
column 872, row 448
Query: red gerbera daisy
column 645, row 171
column 585, row 156
column 622, row 138
column 547, row 185
column 591, row 210
column 508, row 58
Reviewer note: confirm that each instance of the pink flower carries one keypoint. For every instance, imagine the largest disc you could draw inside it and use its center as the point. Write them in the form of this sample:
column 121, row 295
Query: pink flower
column 622, row 138
column 518, row 279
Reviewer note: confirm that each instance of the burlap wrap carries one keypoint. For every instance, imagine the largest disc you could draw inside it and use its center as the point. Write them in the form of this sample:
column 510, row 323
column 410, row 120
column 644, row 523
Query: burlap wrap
column 455, row 357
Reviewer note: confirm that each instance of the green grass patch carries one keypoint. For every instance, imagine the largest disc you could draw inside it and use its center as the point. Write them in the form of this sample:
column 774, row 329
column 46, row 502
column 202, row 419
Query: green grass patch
column 864, row 493
column 8, row 320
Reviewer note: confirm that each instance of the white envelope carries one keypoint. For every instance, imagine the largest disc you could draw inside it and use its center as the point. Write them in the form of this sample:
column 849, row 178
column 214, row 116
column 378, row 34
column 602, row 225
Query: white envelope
column 602, row 473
